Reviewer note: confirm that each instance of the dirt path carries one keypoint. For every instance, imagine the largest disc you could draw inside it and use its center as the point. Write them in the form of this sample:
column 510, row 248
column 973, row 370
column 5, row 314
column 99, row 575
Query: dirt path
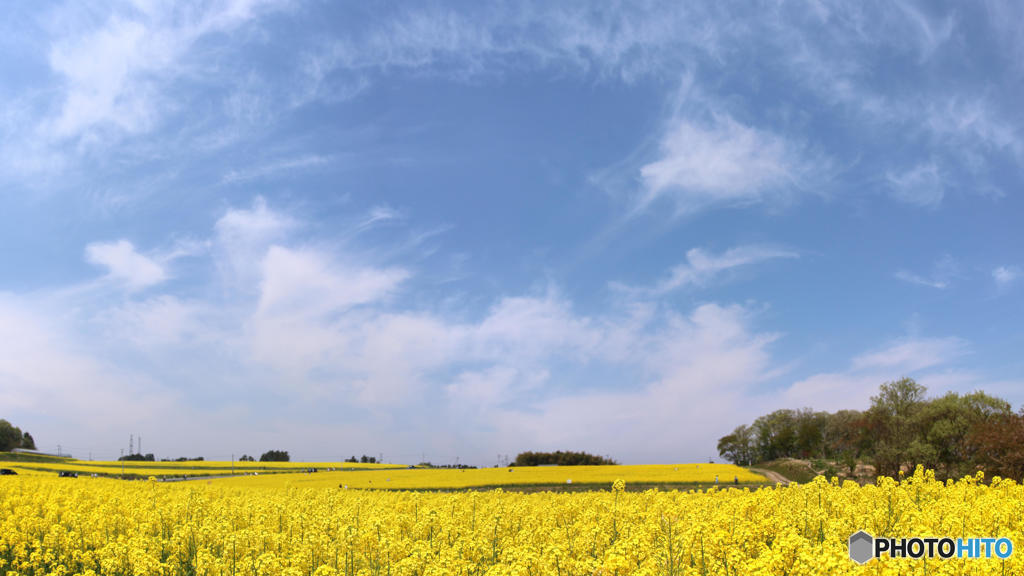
column 773, row 476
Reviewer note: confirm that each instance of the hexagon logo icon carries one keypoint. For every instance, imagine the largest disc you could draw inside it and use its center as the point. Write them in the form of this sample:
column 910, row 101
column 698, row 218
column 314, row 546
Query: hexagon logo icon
column 861, row 547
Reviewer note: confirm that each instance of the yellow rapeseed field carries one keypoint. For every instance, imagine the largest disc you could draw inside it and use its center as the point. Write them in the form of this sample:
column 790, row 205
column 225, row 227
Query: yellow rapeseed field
column 105, row 526
column 392, row 476
column 439, row 478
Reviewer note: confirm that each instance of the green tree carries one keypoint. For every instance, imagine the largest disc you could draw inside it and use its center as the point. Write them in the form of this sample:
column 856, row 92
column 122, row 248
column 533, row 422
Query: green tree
column 892, row 416
column 810, row 433
column 275, row 456
column 27, row 442
column 775, row 435
column 945, row 423
column 10, row 436
column 952, row 434
column 561, row 458
column 738, row 447
column 847, row 438
column 997, row 445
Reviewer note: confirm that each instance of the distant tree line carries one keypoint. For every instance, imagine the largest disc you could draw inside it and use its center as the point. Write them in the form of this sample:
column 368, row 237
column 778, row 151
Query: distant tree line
column 447, row 466
column 275, row 456
column 12, row 437
column 561, row 458
column 362, row 460
column 953, row 434
column 269, row 456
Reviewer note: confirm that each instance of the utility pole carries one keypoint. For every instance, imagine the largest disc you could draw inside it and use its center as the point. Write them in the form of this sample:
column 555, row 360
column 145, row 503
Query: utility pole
column 58, row 450
column 131, row 444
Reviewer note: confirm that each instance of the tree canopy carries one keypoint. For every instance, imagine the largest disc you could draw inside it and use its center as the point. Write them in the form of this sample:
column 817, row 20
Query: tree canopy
column 12, row 437
column 275, row 456
column 953, row 434
column 560, row 458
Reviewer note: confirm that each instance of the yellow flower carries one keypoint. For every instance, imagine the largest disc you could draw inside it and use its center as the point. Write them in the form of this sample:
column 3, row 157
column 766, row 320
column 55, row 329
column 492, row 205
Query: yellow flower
column 281, row 524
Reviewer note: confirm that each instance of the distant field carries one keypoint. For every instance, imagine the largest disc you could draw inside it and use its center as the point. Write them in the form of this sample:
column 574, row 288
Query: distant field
column 442, row 479
column 400, row 477
column 178, row 469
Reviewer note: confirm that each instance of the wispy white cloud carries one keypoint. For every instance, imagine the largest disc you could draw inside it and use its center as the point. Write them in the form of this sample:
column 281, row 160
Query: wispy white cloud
column 292, row 317
column 377, row 215
column 257, row 225
column 241, row 240
column 944, row 271
column 1002, row 16
column 319, row 326
column 534, row 327
column 701, row 267
column 125, row 264
column 477, row 390
column 98, row 69
column 626, row 42
column 117, row 70
column 711, row 352
column 932, row 33
column 1004, row 276
column 722, row 163
column 912, row 354
column 112, row 73
column 922, row 185
column 973, row 120
column 47, row 368
column 274, row 168
column 921, row 280
column 301, row 282
column 965, row 124
column 925, row 359
column 157, row 323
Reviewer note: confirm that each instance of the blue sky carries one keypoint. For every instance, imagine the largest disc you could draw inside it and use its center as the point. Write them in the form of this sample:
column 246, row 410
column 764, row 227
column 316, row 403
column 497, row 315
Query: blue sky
column 465, row 230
